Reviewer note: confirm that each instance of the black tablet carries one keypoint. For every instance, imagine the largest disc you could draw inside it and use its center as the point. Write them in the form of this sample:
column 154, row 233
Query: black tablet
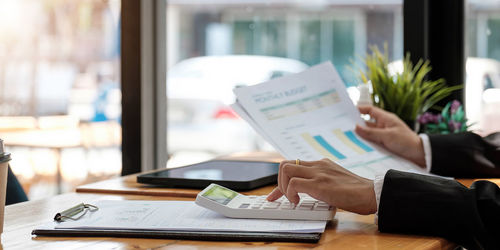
column 236, row 175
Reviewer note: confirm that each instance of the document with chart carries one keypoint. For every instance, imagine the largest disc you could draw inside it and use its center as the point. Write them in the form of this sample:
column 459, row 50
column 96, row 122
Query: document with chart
column 309, row 116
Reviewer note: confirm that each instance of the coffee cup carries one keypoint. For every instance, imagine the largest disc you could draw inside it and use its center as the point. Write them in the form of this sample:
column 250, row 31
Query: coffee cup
column 4, row 164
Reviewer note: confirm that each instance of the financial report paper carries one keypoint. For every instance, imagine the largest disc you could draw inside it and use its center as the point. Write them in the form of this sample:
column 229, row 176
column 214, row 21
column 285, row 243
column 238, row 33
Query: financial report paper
column 309, row 116
column 179, row 216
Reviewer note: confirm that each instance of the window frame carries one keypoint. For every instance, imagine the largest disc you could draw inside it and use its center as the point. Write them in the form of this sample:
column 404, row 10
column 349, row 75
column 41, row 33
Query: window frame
column 435, row 31
column 143, row 77
column 144, row 54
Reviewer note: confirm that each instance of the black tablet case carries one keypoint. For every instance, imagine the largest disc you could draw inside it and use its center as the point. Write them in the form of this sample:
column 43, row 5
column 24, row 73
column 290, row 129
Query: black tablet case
column 182, row 235
column 201, row 183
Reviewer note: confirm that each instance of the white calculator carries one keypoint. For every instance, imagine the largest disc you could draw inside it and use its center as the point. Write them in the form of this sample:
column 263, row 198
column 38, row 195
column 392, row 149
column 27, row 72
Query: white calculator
column 235, row 205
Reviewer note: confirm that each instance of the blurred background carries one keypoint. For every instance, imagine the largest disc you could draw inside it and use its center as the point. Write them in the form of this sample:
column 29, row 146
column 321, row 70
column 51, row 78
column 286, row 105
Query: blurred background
column 60, row 93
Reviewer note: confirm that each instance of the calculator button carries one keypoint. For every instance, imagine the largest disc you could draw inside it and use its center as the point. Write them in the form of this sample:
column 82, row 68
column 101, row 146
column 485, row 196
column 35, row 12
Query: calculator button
column 245, row 205
column 255, row 207
column 270, row 208
column 272, row 205
column 305, row 207
column 323, row 205
column 321, row 208
column 287, row 207
column 308, row 202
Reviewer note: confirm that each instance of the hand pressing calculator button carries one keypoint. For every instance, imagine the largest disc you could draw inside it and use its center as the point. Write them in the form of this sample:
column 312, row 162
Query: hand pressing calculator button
column 235, row 205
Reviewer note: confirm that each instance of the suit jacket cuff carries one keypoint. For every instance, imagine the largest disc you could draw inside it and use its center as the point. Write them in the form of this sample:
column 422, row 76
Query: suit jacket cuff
column 378, row 183
column 427, row 151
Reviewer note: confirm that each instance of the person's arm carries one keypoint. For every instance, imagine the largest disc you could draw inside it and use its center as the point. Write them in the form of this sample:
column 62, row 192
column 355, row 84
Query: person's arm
column 465, row 155
column 390, row 132
column 419, row 204
column 408, row 203
column 326, row 181
column 458, row 155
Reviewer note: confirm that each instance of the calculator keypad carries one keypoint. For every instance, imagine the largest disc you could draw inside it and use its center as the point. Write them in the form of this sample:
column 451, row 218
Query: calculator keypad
column 306, row 203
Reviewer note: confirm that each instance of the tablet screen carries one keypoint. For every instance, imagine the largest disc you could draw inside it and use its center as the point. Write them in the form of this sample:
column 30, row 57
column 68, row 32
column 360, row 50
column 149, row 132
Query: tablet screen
column 221, row 171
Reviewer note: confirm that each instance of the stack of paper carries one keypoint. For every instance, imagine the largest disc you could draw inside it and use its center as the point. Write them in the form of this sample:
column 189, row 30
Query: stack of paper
column 309, row 116
column 181, row 216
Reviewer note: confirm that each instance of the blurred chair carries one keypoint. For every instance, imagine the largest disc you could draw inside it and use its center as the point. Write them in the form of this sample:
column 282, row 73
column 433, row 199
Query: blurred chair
column 15, row 192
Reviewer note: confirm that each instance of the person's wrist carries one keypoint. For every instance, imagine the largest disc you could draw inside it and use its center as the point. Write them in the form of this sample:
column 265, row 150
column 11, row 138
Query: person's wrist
column 418, row 153
column 369, row 197
column 373, row 199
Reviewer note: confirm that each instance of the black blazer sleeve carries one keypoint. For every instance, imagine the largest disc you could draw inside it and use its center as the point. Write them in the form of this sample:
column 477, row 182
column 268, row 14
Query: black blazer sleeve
column 427, row 205
column 465, row 155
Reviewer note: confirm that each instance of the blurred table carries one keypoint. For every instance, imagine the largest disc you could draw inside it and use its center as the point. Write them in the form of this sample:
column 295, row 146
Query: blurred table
column 346, row 231
column 58, row 133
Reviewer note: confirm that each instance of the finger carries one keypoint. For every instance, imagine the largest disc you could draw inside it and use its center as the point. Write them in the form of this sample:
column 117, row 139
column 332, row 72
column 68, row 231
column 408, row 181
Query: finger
column 299, row 185
column 308, row 163
column 274, row 195
column 363, row 109
column 292, row 170
column 374, row 112
column 371, row 134
column 371, row 124
column 281, row 176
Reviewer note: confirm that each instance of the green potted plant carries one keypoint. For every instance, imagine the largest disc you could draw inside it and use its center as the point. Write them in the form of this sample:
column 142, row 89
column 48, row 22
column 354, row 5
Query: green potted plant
column 407, row 93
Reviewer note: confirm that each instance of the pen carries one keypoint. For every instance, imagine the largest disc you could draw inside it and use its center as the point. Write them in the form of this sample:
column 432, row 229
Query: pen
column 71, row 212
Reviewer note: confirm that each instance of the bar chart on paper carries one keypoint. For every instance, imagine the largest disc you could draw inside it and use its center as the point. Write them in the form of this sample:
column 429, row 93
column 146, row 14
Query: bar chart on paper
column 336, row 144
column 343, row 146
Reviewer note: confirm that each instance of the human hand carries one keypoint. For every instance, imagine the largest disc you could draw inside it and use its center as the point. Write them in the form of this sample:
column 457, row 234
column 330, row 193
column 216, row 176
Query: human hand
column 326, row 181
column 392, row 133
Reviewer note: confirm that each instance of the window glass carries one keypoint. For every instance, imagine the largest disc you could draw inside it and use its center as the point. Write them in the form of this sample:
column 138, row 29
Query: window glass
column 238, row 43
column 482, row 87
column 59, row 92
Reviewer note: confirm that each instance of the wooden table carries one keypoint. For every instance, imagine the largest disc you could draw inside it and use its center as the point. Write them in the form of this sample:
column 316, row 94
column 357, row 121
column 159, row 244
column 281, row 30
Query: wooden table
column 347, row 231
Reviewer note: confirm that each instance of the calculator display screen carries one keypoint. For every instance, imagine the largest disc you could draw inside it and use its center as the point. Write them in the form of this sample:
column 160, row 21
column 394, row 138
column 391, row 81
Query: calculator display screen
column 220, row 194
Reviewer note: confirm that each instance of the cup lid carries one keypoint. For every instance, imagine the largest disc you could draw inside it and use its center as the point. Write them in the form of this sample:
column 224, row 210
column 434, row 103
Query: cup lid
column 4, row 156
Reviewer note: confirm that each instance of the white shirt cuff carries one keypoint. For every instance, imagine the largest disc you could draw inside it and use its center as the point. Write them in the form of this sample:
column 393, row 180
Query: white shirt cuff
column 378, row 183
column 427, row 151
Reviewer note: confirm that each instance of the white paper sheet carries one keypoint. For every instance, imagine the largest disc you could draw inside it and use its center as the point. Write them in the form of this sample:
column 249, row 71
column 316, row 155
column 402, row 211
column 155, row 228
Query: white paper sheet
column 179, row 215
column 309, row 116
